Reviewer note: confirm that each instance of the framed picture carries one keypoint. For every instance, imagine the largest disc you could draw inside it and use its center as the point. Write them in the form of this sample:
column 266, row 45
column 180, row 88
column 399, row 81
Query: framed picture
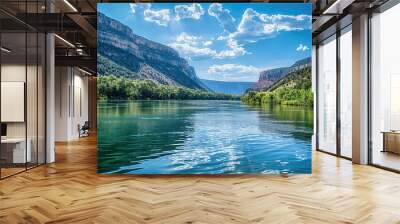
column 204, row 88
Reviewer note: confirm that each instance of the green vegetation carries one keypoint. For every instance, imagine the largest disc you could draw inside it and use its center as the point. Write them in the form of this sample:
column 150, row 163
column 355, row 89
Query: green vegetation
column 120, row 88
column 293, row 89
column 106, row 66
column 300, row 79
column 282, row 95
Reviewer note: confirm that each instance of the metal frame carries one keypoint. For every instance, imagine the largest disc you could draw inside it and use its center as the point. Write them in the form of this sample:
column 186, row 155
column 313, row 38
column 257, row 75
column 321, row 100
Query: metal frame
column 338, row 152
column 318, row 92
column 369, row 106
column 338, row 76
column 26, row 90
column 0, row 87
column 317, row 97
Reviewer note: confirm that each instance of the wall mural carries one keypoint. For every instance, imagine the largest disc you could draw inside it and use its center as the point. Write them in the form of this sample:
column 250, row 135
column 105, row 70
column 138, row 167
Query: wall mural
column 204, row 88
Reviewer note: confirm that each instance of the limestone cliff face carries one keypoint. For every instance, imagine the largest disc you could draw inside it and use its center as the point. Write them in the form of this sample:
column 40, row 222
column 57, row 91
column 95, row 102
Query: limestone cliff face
column 146, row 58
column 269, row 77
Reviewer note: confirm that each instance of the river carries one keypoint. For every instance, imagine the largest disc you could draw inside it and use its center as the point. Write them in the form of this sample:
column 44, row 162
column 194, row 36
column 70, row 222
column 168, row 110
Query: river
column 202, row 137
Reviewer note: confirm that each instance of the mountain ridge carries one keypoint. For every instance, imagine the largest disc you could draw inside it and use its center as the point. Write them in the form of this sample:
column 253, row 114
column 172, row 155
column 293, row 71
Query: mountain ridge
column 236, row 88
column 145, row 59
column 269, row 77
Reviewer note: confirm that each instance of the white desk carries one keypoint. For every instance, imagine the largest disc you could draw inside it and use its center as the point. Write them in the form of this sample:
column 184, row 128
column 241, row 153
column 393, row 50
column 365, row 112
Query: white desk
column 19, row 153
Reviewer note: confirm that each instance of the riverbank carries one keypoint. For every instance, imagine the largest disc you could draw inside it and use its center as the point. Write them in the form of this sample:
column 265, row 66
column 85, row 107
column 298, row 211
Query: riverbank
column 120, row 88
column 293, row 89
column 280, row 96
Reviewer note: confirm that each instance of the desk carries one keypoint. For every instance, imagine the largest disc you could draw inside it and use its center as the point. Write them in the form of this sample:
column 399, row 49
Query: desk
column 15, row 148
column 391, row 141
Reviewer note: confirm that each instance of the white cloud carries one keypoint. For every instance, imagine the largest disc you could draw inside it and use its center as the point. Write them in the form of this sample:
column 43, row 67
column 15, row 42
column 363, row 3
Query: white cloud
column 234, row 50
column 133, row 7
column 207, row 43
column 234, row 72
column 194, row 11
column 236, row 68
column 192, row 51
column 292, row 17
column 160, row 17
column 223, row 16
column 198, row 47
column 184, row 37
column 139, row 6
column 302, row 47
column 255, row 26
column 222, row 38
column 192, row 46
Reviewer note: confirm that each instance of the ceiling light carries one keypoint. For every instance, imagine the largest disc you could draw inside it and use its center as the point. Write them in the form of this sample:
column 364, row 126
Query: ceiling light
column 64, row 40
column 330, row 8
column 70, row 5
column 5, row 50
column 79, row 51
column 86, row 72
column 337, row 7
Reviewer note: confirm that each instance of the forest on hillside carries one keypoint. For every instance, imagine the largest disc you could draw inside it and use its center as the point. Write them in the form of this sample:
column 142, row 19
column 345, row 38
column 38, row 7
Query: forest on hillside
column 121, row 88
column 293, row 89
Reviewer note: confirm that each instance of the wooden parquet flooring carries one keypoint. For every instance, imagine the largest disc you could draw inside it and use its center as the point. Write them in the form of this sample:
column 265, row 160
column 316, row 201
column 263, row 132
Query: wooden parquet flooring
column 70, row 191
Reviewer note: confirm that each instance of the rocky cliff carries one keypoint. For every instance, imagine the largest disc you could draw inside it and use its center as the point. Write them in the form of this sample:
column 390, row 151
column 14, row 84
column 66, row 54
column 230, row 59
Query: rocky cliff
column 146, row 59
column 269, row 77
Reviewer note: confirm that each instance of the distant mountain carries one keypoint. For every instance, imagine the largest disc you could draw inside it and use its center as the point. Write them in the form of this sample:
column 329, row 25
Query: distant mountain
column 269, row 77
column 292, row 89
column 122, row 53
column 299, row 79
column 236, row 88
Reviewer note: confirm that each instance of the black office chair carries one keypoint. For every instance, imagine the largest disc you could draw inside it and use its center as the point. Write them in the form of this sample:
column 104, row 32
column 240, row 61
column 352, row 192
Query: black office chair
column 84, row 130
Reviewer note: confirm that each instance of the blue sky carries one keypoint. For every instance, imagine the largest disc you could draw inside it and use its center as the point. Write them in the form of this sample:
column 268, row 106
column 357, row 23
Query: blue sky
column 228, row 41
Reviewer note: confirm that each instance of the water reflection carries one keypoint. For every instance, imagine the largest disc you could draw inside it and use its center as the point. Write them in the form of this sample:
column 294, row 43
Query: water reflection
column 169, row 137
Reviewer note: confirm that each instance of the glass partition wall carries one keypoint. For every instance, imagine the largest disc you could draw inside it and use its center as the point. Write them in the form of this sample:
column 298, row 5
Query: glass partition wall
column 345, row 91
column 385, row 89
column 334, row 94
column 327, row 95
column 22, row 107
column 334, row 105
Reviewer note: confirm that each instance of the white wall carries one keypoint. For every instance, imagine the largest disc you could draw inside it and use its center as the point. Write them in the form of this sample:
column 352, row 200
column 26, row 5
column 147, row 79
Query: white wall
column 13, row 72
column 79, row 110
column 62, row 82
column 71, row 102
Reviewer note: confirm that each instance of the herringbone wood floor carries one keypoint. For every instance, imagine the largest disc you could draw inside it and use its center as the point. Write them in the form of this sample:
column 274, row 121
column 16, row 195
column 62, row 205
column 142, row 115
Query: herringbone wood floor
column 70, row 191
